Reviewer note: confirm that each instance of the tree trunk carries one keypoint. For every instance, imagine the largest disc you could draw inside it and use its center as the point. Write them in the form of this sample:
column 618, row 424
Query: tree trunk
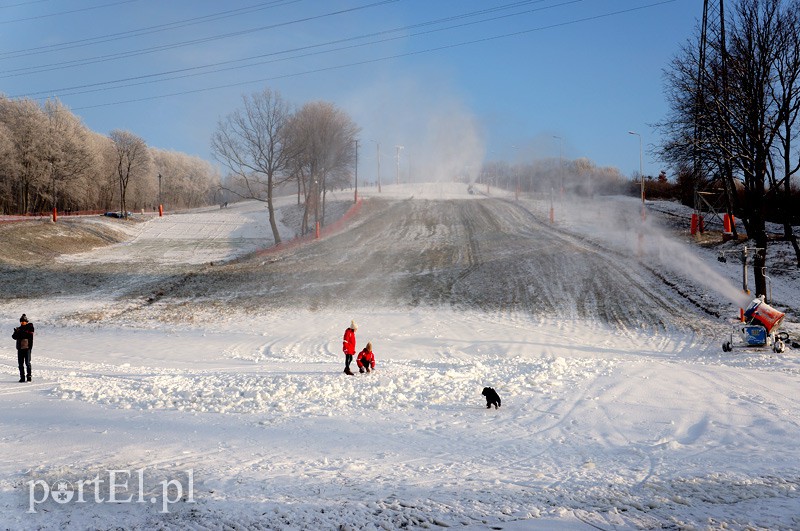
column 759, row 229
column 271, row 208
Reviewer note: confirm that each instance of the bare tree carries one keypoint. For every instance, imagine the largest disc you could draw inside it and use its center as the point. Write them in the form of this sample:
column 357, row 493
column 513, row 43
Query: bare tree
column 132, row 162
column 323, row 142
column 786, row 93
column 251, row 143
column 103, row 175
column 739, row 103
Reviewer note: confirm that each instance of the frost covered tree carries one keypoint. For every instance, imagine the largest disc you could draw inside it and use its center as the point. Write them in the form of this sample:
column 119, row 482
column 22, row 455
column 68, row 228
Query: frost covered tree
column 48, row 158
column 26, row 168
column 187, row 181
column 69, row 157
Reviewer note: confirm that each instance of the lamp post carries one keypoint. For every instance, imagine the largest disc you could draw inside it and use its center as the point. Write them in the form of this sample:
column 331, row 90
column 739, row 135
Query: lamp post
column 398, row 149
column 641, row 172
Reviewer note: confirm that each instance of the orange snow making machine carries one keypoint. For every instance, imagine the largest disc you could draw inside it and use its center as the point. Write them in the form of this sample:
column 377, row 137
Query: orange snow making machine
column 759, row 329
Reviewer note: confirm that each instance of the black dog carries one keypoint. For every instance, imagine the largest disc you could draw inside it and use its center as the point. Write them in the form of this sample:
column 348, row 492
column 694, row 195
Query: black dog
column 492, row 398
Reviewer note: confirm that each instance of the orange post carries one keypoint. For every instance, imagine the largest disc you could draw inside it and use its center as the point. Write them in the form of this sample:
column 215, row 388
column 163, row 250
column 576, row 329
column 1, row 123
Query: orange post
column 693, row 229
column 160, row 210
column 316, row 231
column 55, row 214
column 726, row 223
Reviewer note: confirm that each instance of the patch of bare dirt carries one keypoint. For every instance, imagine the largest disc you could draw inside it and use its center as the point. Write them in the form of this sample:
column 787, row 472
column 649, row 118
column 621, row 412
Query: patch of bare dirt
column 34, row 242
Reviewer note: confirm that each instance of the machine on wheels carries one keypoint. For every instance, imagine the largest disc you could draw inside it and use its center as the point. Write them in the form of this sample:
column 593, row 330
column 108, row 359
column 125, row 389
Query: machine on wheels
column 759, row 329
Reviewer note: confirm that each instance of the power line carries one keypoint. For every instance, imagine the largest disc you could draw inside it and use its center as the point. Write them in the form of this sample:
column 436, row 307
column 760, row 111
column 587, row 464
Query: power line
column 385, row 58
column 144, row 31
column 60, row 13
column 76, row 89
column 24, row 4
column 123, row 55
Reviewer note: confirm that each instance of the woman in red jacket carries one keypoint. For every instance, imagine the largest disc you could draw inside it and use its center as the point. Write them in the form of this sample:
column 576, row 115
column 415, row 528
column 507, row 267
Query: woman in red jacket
column 349, row 346
column 366, row 359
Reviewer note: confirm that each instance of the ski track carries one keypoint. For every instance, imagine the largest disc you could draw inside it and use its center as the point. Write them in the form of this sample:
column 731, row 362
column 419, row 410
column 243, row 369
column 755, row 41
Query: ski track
column 619, row 410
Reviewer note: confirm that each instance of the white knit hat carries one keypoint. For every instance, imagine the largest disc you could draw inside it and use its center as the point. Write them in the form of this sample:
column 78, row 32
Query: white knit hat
column 353, row 325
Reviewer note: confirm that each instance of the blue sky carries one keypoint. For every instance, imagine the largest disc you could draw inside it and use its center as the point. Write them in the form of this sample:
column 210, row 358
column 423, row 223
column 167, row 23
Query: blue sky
column 465, row 80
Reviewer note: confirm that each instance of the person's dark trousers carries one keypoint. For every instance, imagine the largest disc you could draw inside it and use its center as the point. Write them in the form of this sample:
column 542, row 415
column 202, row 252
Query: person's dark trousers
column 24, row 359
column 348, row 359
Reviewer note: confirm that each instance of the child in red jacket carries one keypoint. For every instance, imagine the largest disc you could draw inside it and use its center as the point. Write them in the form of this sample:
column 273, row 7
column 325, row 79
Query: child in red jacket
column 349, row 346
column 366, row 359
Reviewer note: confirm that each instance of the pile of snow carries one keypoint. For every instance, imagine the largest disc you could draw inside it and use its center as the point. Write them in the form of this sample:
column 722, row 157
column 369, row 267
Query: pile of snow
column 396, row 386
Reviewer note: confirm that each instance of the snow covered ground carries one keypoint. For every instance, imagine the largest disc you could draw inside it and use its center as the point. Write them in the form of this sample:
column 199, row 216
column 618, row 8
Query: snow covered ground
column 181, row 381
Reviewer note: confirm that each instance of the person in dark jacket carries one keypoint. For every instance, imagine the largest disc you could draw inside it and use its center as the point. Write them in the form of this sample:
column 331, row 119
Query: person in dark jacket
column 24, row 336
column 349, row 346
column 366, row 359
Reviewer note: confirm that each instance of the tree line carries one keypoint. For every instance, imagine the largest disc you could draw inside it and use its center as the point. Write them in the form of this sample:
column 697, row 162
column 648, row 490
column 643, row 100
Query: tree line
column 50, row 159
column 734, row 104
column 553, row 176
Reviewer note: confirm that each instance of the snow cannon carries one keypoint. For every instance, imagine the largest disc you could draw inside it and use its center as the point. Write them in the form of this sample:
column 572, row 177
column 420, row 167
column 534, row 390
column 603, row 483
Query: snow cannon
column 760, row 328
column 759, row 312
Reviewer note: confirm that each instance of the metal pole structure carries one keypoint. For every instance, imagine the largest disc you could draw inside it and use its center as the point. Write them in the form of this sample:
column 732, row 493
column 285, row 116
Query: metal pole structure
column 379, row 167
column 744, row 270
column 641, row 171
column 355, row 194
column 560, row 162
column 398, row 149
column 516, row 171
column 160, row 203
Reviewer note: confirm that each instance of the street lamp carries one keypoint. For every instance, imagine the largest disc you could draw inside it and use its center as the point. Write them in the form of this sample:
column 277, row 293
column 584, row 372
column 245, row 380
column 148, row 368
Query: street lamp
column 641, row 172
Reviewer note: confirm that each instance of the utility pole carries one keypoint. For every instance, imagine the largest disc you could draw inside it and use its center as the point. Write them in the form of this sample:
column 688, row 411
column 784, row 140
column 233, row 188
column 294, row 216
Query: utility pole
column 641, row 170
column 355, row 195
column 379, row 167
column 398, row 149
column 560, row 164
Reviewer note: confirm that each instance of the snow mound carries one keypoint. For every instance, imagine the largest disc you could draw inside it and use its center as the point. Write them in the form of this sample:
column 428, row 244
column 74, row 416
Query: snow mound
column 317, row 389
